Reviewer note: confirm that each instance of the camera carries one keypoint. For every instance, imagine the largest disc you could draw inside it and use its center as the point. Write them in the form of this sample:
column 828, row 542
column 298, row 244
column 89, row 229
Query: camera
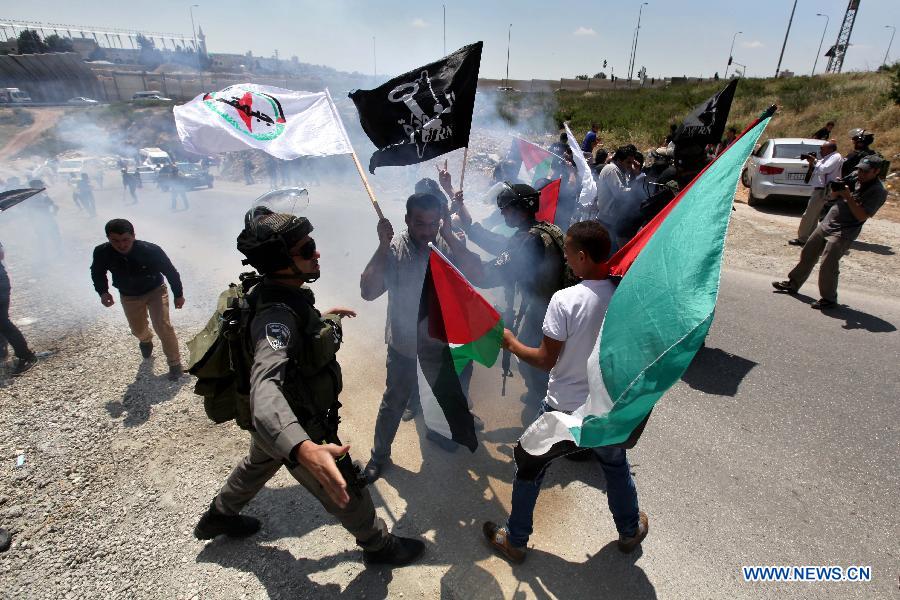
column 839, row 184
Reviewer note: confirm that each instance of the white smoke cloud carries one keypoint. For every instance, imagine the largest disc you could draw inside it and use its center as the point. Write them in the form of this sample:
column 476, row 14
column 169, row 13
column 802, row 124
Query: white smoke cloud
column 584, row 31
column 419, row 23
column 753, row 44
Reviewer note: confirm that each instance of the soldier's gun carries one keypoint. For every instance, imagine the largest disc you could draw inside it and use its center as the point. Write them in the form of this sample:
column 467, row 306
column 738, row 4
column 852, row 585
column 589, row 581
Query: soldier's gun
column 350, row 470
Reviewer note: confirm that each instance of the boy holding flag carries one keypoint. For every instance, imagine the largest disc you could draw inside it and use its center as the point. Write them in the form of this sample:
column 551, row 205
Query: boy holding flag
column 571, row 327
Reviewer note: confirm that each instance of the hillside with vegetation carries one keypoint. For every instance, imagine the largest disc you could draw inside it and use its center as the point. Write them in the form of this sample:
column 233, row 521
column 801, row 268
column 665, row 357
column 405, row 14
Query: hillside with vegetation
column 642, row 117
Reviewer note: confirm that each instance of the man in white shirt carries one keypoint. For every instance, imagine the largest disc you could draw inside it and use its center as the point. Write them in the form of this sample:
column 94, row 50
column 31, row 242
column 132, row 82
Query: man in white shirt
column 571, row 326
column 620, row 191
column 824, row 170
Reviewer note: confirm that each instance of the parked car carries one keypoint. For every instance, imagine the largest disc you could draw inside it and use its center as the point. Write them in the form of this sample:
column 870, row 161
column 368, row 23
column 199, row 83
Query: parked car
column 147, row 174
column 153, row 98
column 82, row 101
column 776, row 169
column 14, row 96
column 194, row 175
column 70, row 169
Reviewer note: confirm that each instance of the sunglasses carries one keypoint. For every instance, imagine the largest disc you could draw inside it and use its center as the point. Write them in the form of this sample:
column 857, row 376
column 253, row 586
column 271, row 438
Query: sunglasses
column 306, row 251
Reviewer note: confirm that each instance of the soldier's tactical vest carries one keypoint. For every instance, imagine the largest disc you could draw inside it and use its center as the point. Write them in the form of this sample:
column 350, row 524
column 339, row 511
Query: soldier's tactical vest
column 221, row 356
column 553, row 274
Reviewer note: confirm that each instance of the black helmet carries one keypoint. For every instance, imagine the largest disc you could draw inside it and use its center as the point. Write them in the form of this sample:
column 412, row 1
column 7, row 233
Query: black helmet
column 861, row 135
column 518, row 195
column 268, row 237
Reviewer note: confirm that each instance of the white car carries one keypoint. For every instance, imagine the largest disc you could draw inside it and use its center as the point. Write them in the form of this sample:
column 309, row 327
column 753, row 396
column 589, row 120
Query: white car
column 82, row 101
column 776, row 169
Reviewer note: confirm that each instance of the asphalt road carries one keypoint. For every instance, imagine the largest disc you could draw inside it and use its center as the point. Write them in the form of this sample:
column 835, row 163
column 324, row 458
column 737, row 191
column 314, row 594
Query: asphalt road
column 779, row 447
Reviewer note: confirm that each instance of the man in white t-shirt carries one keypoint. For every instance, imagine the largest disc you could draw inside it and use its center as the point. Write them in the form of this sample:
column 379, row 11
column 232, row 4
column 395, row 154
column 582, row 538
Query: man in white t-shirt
column 571, row 326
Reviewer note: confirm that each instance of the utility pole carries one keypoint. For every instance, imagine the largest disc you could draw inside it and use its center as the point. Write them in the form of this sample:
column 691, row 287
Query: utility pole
column 731, row 53
column 445, row 29
column 888, row 51
column 508, row 42
column 193, row 29
column 819, row 51
column 637, row 32
column 786, row 33
column 374, row 60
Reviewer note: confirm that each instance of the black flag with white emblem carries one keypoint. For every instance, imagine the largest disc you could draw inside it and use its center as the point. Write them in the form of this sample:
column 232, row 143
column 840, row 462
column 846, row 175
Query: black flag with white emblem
column 421, row 114
column 706, row 123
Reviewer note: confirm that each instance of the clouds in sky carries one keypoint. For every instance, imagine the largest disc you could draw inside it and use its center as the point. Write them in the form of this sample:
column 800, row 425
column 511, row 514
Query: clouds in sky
column 753, row 44
column 584, row 31
column 419, row 23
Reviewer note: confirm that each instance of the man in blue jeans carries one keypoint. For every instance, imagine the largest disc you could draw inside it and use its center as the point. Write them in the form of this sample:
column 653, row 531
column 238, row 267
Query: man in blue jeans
column 570, row 329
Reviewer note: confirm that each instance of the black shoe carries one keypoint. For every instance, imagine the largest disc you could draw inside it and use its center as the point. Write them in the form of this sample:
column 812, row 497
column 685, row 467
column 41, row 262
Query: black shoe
column 214, row 523
column 146, row 349
column 784, row 286
column 823, row 304
column 580, row 456
column 5, row 540
column 796, row 242
column 398, row 551
column 23, row 364
column 372, row 471
column 175, row 371
column 444, row 443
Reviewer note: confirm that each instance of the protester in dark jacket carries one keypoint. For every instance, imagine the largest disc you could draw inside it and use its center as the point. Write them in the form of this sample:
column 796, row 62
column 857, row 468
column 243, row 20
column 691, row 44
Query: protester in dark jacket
column 137, row 269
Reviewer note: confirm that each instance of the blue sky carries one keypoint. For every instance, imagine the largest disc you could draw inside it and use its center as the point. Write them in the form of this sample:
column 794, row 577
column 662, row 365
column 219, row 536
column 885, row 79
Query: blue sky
column 549, row 39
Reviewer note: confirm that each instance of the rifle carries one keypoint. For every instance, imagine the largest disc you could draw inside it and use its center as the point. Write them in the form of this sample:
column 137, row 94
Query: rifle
column 509, row 316
column 514, row 328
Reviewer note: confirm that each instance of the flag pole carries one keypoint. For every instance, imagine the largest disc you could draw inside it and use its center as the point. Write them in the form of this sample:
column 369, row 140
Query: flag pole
column 359, row 168
column 462, row 176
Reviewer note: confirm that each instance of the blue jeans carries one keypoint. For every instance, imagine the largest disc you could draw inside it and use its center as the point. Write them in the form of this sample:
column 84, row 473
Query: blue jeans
column 621, row 495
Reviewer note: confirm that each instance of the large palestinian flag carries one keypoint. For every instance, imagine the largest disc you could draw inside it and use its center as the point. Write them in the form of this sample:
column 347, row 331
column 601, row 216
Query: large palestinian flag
column 456, row 326
column 656, row 321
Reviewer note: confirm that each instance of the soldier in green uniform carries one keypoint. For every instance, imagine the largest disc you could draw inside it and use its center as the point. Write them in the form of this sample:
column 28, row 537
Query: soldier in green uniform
column 295, row 380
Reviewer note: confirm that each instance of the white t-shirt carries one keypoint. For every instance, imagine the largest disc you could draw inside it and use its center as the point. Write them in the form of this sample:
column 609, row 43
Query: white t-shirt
column 574, row 316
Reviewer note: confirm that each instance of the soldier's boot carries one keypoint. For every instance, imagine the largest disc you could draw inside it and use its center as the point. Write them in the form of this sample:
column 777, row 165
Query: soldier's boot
column 397, row 552
column 214, row 523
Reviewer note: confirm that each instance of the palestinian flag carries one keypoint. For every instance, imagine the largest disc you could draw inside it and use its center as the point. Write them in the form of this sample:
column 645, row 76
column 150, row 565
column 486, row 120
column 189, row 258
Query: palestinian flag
column 456, row 326
column 656, row 321
column 536, row 161
column 548, row 201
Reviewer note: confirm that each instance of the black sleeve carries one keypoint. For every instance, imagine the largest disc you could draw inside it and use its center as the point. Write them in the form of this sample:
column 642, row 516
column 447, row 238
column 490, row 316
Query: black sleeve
column 99, row 267
column 166, row 267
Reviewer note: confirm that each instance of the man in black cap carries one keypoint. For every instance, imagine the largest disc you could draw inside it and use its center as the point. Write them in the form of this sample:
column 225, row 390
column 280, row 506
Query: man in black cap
column 862, row 140
column 293, row 403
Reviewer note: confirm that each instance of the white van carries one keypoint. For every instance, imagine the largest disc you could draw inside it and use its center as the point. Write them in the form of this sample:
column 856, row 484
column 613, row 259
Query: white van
column 154, row 157
column 14, row 96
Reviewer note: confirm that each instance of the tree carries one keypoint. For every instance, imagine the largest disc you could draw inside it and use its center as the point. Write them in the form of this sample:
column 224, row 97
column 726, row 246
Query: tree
column 30, row 42
column 55, row 43
column 581, row 77
column 716, row 76
column 600, row 75
column 895, row 89
column 145, row 43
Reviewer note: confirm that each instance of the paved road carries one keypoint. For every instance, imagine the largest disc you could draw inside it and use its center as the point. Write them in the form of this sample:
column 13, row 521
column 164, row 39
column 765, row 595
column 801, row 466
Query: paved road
column 779, row 447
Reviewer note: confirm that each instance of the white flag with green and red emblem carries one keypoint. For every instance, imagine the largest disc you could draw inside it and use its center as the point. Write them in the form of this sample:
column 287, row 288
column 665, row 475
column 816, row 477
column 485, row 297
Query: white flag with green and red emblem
column 286, row 124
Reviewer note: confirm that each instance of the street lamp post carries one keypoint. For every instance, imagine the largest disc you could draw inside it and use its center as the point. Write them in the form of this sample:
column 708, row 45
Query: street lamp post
column 786, row 33
column 888, row 51
column 819, row 51
column 637, row 32
column 374, row 60
column 731, row 52
column 508, row 41
column 194, row 29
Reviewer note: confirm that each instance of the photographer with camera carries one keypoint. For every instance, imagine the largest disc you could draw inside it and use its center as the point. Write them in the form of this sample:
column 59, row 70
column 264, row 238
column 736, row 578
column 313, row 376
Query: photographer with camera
column 838, row 229
column 823, row 170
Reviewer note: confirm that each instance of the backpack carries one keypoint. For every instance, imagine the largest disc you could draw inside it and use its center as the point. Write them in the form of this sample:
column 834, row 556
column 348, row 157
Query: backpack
column 553, row 234
column 220, row 356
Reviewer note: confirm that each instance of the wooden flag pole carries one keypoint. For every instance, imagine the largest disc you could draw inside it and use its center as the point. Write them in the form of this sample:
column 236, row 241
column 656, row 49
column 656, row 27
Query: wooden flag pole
column 365, row 180
column 462, row 176
column 359, row 167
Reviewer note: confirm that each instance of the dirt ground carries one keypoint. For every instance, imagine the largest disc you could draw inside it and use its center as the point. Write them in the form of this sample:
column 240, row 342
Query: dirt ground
column 119, row 462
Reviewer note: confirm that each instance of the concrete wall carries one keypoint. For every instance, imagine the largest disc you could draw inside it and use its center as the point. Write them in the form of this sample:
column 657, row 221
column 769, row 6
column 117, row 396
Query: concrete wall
column 52, row 77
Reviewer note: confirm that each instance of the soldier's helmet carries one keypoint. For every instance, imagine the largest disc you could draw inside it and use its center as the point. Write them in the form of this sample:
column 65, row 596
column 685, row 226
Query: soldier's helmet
column 272, row 227
column 518, row 195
